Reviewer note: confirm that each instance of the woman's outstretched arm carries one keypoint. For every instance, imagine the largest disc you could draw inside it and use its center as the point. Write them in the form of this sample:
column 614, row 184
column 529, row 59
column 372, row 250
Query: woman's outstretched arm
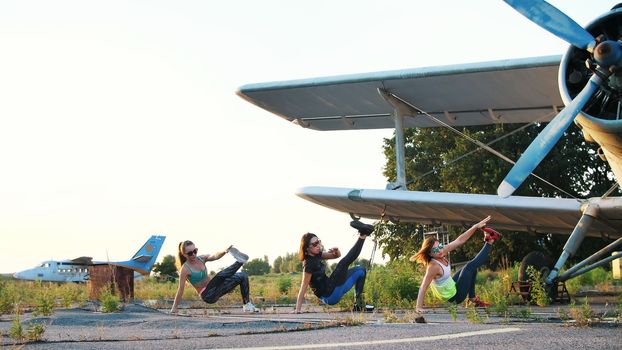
column 464, row 237
column 180, row 289
column 215, row 256
column 430, row 273
column 304, row 284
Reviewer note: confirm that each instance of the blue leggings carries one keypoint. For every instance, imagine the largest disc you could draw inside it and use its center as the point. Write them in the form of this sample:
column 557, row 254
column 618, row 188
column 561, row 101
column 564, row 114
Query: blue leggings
column 342, row 278
column 465, row 277
column 356, row 276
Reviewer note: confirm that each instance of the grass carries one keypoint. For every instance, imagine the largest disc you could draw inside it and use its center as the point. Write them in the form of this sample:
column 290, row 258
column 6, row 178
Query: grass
column 16, row 332
column 392, row 317
column 35, row 331
column 453, row 311
column 387, row 287
column 598, row 279
column 583, row 314
column 473, row 316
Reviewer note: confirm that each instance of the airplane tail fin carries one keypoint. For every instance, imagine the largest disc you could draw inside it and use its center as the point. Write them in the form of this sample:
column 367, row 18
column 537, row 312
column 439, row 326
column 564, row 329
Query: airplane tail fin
column 145, row 257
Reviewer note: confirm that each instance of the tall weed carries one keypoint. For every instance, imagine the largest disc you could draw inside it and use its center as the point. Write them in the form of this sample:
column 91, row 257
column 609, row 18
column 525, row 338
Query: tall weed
column 583, row 314
column 538, row 291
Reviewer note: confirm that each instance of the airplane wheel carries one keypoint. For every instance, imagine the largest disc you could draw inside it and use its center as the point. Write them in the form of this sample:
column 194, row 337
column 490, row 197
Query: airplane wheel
column 540, row 262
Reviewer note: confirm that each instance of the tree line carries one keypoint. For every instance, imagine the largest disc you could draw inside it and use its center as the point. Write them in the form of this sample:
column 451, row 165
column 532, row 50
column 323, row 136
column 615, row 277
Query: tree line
column 289, row 263
column 167, row 270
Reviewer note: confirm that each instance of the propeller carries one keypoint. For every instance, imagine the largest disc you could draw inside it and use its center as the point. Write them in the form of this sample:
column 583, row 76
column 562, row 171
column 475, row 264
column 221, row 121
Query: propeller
column 556, row 22
column 542, row 145
column 606, row 55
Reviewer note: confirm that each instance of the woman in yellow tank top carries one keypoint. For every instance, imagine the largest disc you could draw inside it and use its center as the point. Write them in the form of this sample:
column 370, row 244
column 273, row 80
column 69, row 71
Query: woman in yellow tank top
column 438, row 271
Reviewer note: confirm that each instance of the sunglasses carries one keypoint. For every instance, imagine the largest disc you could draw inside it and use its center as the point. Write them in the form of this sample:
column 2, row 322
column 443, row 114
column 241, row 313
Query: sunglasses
column 315, row 244
column 192, row 252
column 437, row 249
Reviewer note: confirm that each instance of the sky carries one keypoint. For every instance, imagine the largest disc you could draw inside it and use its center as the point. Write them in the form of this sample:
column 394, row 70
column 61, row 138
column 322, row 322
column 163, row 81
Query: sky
column 119, row 119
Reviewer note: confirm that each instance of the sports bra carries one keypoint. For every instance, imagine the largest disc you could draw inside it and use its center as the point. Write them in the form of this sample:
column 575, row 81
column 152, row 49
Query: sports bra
column 196, row 277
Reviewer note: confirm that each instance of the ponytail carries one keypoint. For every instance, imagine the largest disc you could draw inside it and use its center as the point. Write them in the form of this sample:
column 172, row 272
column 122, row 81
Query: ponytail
column 181, row 258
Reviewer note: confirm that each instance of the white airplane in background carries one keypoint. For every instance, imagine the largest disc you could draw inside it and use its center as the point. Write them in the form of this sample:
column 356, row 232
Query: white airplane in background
column 589, row 83
column 76, row 270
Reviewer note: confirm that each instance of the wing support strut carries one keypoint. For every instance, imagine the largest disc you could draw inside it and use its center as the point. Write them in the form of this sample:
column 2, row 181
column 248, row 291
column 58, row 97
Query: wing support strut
column 575, row 239
column 400, row 110
column 581, row 267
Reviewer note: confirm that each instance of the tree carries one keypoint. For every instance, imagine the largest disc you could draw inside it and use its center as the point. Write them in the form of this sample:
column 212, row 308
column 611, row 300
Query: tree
column 166, row 270
column 276, row 265
column 430, row 154
column 257, row 267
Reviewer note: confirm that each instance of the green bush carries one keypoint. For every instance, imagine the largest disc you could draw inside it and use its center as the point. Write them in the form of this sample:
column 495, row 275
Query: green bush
column 109, row 301
column 393, row 285
column 285, row 283
column 44, row 304
column 8, row 297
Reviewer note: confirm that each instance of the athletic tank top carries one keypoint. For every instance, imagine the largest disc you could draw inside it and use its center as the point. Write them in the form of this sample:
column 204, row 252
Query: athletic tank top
column 444, row 287
column 196, row 277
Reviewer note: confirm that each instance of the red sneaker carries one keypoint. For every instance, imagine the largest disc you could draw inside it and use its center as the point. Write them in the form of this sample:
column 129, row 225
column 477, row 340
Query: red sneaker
column 477, row 302
column 490, row 234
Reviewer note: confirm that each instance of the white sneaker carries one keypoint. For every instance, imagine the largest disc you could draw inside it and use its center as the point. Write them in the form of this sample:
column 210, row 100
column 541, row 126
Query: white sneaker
column 249, row 307
column 238, row 255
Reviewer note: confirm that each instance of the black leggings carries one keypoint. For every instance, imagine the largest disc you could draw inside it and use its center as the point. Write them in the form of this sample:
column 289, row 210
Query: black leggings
column 465, row 277
column 224, row 282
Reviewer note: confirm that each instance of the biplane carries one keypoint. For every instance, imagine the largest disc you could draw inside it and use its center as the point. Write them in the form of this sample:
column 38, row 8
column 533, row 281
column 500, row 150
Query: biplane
column 584, row 85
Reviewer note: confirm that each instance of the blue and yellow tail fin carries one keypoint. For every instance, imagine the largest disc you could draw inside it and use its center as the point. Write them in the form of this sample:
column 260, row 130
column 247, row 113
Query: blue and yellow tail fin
column 145, row 257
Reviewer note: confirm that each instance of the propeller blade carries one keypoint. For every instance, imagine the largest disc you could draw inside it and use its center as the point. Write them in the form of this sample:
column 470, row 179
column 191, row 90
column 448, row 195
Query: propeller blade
column 556, row 22
column 541, row 146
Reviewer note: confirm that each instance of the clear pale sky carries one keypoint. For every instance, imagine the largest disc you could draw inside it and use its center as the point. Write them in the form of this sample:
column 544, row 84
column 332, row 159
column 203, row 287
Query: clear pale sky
column 119, row 119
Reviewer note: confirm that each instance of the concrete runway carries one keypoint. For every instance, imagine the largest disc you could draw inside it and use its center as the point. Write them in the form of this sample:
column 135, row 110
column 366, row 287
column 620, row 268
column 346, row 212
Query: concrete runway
column 139, row 327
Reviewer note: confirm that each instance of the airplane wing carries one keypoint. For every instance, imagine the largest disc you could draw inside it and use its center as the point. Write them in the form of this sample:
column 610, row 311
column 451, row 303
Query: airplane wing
column 529, row 214
column 83, row 260
column 508, row 91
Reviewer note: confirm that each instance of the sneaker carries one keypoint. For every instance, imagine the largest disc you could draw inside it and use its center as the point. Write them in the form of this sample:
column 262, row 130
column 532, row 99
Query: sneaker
column 476, row 302
column 420, row 319
column 249, row 307
column 490, row 234
column 364, row 229
column 238, row 255
column 366, row 308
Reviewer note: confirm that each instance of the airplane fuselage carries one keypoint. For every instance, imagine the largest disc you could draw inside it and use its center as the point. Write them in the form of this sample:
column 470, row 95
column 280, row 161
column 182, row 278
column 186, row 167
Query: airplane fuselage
column 55, row 271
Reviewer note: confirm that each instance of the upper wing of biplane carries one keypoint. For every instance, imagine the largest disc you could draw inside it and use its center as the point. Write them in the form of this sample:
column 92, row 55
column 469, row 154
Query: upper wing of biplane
column 508, row 91
column 530, row 214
